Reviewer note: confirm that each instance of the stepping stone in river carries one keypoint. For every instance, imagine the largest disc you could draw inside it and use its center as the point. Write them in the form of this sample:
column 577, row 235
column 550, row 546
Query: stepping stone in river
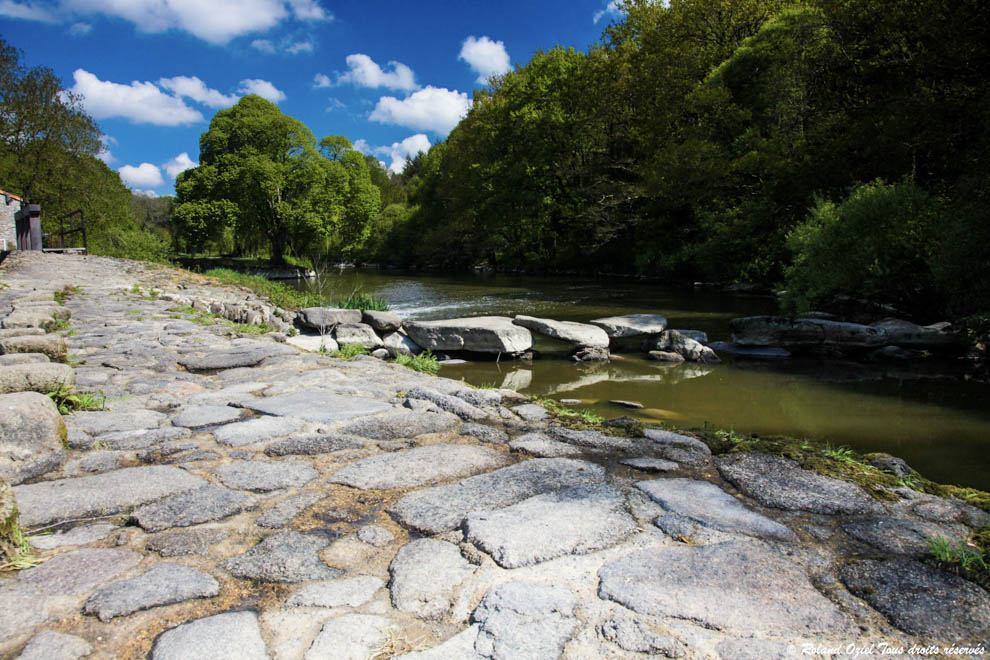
column 191, row 508
column 424, row 576
column 317, row 406
column 228, row 636
column 283, row 557
column 262, row 477
column 417, row 467
column 578, row 334
column 434, row 510
column 163, row 584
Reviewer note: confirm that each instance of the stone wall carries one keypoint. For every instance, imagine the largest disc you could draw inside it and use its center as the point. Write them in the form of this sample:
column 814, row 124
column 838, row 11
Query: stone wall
column 8, row 230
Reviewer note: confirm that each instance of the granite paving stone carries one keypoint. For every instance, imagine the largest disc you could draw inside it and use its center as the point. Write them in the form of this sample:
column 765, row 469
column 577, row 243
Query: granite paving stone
column 342, row 592
column 255, row 430
column 182, row 542
column 312, row 444
column 79, row 571
column 424, row 575
column 282, row 513
column 418, row 467
column 317, row 406
column 193, row 507
column 402, row 424
column 51, row 645
column 261, row 476
column 525, row 621
column 163, row 584
column 287, row 556
column 200, row 416
column 227, row 636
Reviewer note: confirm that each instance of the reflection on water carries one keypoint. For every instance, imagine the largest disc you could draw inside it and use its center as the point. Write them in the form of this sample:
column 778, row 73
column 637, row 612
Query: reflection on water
column 939, row 425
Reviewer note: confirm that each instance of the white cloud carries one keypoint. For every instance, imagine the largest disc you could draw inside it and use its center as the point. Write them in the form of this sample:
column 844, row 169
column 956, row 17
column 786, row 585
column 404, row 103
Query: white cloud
column 434, row 109
column 262, row 88
column 104, row 152
column 179, row 164
column 398, row 151
column 612, row 10
column 144, row 175
column 147, row 193
column 486, row 57
column 299, row 47
column 364, row 72
column 140, row 102
column 27, row 11
column 335, row 104
column 195, row 89
column 309, row 10
column 362, row 145
column 79, row 29
column 263, row 45
column 321, row 80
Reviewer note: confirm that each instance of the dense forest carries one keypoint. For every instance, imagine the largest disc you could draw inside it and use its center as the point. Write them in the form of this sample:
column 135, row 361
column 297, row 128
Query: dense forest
column 824, row 147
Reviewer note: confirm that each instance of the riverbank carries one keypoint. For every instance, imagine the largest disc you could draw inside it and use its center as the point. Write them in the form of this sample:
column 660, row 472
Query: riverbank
column 241, row 496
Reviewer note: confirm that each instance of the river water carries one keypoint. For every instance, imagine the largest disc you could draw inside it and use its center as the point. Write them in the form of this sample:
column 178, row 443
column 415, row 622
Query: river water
column 927, row 414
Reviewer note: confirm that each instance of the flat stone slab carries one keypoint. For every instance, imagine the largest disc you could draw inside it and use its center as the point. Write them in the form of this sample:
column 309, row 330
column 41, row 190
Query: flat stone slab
column 579, row 334
column 350, row 637
column 283, row 557
column 50, row 645
column 342, row 592
column 905, row 538
column 186, row 541
column 36, row 377
column 32, row 434
column 531, row 412
column 243, row 356
column 633, row 635
column 99, row 422
column 922, row 600
column 572, row 522
column 375, row 535
column 402, row 424
column 262, row 477
column 420, row 466
column 318, row 406
column 357, row 333
column 24, row 608
column 424, row 575
column 541, row 445
column 121, row 440
column 48, row 502
column 199, row 416
column 193, row 507
column 325, row 318
column 485, row 433
column 631, row 325
column 482, row 334
column 312, row 444
column 782, row 484
column 433, row 510
column 228, row 636
column 255, row 430
column 82, row 535
column 447, row 402
column 79, row 571
column 648, row 464
column 591, row 439
column 525, row 620
column 282, row 513
column 739, row 586
column 458, row 647
column 709, row 505
column 163, row 584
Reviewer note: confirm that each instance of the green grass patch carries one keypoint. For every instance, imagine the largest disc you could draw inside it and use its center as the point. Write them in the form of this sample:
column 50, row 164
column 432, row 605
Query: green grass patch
column 362, row 301
column 970, row 559
column 24, row 557
column 278, row 293
column 69, row 400
column 347, row 351
column 65, row 293
column 426, row 362
column 575, row 418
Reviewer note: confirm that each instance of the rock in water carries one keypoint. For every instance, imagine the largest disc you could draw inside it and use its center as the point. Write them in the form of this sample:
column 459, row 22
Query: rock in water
column 631, row 325
column 483, row 334
column 578, row 334
column 357, row 333
column 32, row 435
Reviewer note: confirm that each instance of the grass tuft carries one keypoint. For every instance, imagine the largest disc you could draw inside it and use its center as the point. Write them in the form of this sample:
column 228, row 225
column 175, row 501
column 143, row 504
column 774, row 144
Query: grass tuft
column 570, row 416
column 426, row 362
column 362, row 301
column 69, row 400
column 25, row 557
column 347, row 351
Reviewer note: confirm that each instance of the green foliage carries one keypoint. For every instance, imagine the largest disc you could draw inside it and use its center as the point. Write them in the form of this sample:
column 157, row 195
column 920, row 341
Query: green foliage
column 425, row 362
column 69, row 400
column 362, row 301
column 24, row 557
column 279, row 294
column 568, row 415
column 346, row 351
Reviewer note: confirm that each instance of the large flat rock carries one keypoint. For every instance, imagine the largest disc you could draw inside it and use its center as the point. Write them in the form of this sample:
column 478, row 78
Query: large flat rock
column 578, row 334
column 193, row 507
column 259, row 429
column 163, row 584
column 525, row 621
column 98, row 422
column 351, row 637
column 709, row 505
column 79, row 571
column 631, row 325
column 402, row 424
column 419, row 466
column 283, row 557
column 342, row 592
column 482, row 334
column 323, row 319
column 194, row 417
column 438, row 509
column 48, row 502
column 228, row 636
column 781, row 483
column 576, row 521
column 424, row 576
column 261, row 476
column 240, row 356
column 317, row 406
column 739, row 586
column 43, row 378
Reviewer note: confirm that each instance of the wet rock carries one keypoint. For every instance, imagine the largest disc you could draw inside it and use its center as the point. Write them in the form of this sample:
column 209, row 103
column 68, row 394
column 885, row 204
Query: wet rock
column 52, row 346
column 541, row 445
column 485, row 433
column 402, row 424
column 283, row 557
column 738, row 586
column 483, row 334
column 186, row 541
column 709, row 505
column 665, row 356
column 421, row 466
column 255, row 430
column 691, row 350
column 626, row 404
column 631, row 325
column 452, row 404
column 282, row 513
column 381, row 321
column 438, row 509
column 326, row 318
column 750, row 352
column 200, row 416
column 50, row 645
column 912, row 336
column 579, row 334
column 342, row 592
column 79, row 571
column 634, row 635
column 804, row 333
column 357, row 333
column 591, row 354
column 317, row 406
column 920, row 599
column 525, row 621
column 399, row 344
column 906, row 538
column 233, row 635
column 261, row 477
column 32, row 436
column 163, row 584
column 204, row 504
column 350, row 637
column 375, row 535
column 36, row 377
column 531, row 412
column 782, row 484
column 592, row 439
column 48, row 502
column 570, row 522
column 648, row 464
column 82, row 535
column 424, row 576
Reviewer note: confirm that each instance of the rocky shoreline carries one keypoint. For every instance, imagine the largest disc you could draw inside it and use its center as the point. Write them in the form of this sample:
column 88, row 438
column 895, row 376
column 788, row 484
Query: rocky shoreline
column 240, row 497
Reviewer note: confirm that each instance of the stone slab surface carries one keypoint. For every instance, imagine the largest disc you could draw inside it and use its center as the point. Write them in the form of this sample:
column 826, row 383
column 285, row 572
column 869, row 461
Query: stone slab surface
column 282, row 513
column 228, row 636
column 543, row 446
column 318, row 406
column 905, row 538
column 342, row 592
column 631, row 325
column 420, row 466
column 350, row 637
column 402, row 424
column 424, row 576
column 452, row 404
column 287, row 556
column 579, row 334
column 648, row 464
column 51, row 645
column 482, row 334
column 525, row 621
column 261, row 476
column 164, row 584
column 204, row 504
column 99, row 422
column 186, row 541
column 200, row 416
column 631, row 634
column 82, row 535
column 312, row 444
column 79, row 571
column 255, row 430
column 375, row 535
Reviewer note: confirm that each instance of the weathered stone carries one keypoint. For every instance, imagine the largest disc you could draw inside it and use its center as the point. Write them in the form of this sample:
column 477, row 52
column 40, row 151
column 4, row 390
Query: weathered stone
column 782, row 484
column 912, row 336
column 437, row 509
column 375, row 535
column 186, row 541
column 483, row 334
column 479, row 396
column 255, row 430
column 23, row 609
column 40, row 317
column 525, row 621
column 318, row 406
column 326, row 318
column 665, row 356
column 485, row 433
column 48, row 502
column 631, row 325
column 905, row 538
column 566, row 522
column 163, row 584
column 689, row 349
column 633, row 635
column 758, row 649
column 541, row 445
column 283, row 557
column 447, row 402
column 23, row 358
column 591, row 354
column 648, row 464
column 579, row 334
column 21, row 332
column 357, row 333
column 200, row 416
column 82, row 535
column 424, row 576
column 350, row 637
column 892, row 465
column 381, row 321
column 120, row 440
column 109, row 421
column 36, row 377
column 241, row 356
column 420, row 466
column 591, row 439
column 204, row 504
column 100, row 461
column 342, row 592
column 738, row 586
column 316, row 343
column 282, row 513
column 920, row 599
column 52, row 346
column 458, row 647
column 32, row 436
column 50, row 645
column 311, row 444
column 399, row 344
column 9, row 542
column 709, row 505
column 79, row 571
column 262, row 477
column 227, row 636
column 531, row 412
column 803, row 333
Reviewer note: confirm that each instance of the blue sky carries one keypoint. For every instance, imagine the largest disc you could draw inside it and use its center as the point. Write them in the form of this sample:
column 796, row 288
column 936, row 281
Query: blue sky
column 392, row 76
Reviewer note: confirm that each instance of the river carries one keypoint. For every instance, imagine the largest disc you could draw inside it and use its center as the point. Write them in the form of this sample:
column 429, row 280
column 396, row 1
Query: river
column 927, row 414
